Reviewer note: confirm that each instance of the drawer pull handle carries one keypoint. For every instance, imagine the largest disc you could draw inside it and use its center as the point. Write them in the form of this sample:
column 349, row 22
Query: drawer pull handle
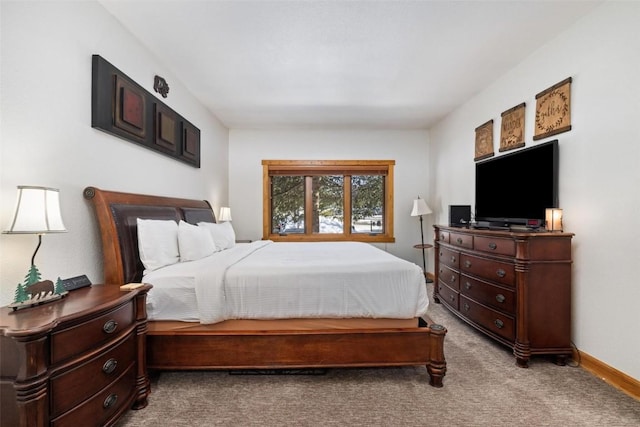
column 492, row 246
column 467, row 285
column 110, row 326
column 110, row 401
column 110, row 366
column 500, row 298
column 452, row 298
column 452, row 279
column 467, row 263
column 442, row 237
column 453, row 259
column 499, row 323
column 501, row 273
column 459, row 240
column 441, row 254
column 466, row 307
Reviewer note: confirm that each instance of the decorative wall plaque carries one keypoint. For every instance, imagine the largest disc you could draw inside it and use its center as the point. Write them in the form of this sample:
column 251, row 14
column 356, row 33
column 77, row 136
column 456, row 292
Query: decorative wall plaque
column 166, row 129
column 553, row 110
column 484, row 141
column 129, row 108
column 121, row 107
column 512, row 128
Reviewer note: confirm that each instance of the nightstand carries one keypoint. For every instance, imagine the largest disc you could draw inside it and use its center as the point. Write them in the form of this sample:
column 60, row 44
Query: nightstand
column 76, row 360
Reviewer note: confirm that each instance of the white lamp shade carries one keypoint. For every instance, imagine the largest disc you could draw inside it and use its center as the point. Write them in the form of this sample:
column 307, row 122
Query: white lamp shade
column 420, row 207
column 37, row 211
column 225, row 214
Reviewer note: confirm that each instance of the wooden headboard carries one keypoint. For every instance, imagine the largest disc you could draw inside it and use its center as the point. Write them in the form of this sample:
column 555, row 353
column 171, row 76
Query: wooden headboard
column 117, row 213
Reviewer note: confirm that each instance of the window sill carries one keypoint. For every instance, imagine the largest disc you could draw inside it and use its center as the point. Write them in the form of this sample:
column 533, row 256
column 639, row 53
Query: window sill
column 368, row 238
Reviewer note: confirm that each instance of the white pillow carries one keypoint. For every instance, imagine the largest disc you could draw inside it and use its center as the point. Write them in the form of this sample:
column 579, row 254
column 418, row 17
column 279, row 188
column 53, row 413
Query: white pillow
column 194, row 242
column 223, row 235
column 157, row 243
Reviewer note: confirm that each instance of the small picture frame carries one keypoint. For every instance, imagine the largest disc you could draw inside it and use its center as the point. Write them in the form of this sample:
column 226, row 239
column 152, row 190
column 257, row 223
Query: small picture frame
column 553, row 110
column 512, row 128
column 484, row 141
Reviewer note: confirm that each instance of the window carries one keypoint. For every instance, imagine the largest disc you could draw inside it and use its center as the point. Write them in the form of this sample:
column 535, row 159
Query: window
column 322, row 200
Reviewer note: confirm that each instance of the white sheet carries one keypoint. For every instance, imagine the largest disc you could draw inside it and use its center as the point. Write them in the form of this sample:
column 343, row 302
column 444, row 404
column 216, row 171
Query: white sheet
column 267, row 280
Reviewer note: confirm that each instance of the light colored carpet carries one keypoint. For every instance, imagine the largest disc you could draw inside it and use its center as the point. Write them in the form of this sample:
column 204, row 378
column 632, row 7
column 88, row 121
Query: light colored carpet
column 482, row 387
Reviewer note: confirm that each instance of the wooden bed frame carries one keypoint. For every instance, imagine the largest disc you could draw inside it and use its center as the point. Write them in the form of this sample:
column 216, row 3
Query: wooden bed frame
column 203, row 348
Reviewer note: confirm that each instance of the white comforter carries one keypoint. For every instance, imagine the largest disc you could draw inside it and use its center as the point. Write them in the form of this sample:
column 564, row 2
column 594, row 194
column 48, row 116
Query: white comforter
column 267, row 280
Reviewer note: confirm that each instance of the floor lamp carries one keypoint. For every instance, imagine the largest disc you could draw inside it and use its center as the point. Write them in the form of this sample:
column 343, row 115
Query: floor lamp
column 420, row 208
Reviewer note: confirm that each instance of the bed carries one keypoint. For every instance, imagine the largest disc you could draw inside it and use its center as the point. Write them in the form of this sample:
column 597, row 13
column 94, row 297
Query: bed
column 179, row 343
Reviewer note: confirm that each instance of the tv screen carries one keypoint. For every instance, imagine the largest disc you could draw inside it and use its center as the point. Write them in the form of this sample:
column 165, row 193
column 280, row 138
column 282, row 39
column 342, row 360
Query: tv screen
column 516, row 188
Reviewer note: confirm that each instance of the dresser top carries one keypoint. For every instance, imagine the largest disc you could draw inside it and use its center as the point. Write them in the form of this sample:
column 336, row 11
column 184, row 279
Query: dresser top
column 513, row 232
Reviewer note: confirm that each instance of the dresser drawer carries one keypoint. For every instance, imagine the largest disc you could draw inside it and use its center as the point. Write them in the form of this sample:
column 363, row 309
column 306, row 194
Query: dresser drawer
column 448, row 295
column 449, row 276
column 449, row 257
column 443, row 236
column 488, row 318
column 74, row 385
column 103, row 405
column 496, row 271
column 462, row 240
column 495, row 245
column 494, row 296
column 76, row 340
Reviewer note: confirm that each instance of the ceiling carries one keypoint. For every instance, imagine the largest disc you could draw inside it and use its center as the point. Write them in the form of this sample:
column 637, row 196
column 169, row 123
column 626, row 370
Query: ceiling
column 354, row 64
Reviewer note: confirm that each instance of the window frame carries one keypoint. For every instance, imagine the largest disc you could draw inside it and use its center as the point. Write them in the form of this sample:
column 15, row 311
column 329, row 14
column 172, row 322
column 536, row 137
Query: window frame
column 329, row 167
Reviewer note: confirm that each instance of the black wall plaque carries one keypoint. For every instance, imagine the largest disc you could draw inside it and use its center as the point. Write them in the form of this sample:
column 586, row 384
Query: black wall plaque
column 121, row 107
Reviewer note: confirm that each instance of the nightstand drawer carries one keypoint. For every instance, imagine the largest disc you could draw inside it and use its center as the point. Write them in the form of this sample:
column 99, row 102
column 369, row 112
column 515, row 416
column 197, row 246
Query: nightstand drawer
column 496, row 271
column 494, row 296
column 492, row 320
column 102, row 406
column 72, row 387
column 78, row 339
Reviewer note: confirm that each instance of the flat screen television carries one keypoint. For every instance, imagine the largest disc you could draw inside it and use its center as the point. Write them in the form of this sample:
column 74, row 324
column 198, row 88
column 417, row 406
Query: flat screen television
column 516, row 188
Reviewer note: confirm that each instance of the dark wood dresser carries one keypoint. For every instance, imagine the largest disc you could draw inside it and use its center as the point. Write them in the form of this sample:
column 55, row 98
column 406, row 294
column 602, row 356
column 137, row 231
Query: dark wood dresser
column 78, row 361
column 513, row 286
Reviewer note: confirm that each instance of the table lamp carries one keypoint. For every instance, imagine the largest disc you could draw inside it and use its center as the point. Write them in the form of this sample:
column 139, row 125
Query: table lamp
column 225, row 214
column 37, row 212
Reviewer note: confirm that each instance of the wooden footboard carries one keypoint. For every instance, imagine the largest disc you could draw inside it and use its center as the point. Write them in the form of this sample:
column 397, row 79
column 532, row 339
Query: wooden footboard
column 300, row 349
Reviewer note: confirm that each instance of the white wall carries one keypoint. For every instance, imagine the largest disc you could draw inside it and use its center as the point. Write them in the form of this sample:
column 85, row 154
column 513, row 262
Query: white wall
column 47, row 139
column 247, row 149
column 599, row 168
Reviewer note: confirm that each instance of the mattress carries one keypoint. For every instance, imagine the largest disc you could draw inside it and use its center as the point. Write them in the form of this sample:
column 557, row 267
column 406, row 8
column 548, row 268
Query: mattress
column 282, row 280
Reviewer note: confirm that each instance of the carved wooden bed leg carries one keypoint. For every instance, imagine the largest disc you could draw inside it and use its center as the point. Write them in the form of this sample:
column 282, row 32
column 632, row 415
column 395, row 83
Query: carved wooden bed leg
column 437, row 366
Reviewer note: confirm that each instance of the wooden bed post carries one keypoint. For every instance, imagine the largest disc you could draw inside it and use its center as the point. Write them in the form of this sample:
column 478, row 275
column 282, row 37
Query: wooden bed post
column 437, row 366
